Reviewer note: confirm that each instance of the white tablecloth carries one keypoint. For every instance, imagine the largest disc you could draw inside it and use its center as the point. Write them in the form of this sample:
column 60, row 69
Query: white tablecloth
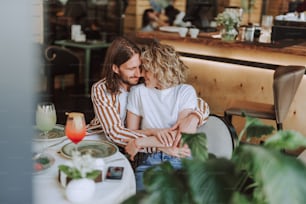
column 47, row 189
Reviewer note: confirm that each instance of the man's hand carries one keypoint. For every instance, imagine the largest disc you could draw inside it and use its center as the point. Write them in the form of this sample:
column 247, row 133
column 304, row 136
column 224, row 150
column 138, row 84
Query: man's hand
column 132, row 149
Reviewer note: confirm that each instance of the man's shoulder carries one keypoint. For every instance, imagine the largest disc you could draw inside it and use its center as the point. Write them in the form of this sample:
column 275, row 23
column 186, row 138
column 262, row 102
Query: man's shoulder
column 99, row 86
column 100, row 83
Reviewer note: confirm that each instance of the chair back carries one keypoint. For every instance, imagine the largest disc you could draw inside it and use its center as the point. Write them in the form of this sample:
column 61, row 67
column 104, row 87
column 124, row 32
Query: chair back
column 285, row 84
column 221, row 136
column 61, row 60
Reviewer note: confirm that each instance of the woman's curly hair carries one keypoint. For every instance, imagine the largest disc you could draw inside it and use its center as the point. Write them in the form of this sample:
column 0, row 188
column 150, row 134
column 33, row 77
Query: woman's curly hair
column 164, row 62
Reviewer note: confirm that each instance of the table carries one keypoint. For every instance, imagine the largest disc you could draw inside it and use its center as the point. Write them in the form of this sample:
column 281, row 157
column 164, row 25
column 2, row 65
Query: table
column 87, row 46
column 47, row 189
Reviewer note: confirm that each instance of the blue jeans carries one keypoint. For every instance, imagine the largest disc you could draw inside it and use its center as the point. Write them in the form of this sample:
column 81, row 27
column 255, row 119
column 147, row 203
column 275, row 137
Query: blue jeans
column 154, row 159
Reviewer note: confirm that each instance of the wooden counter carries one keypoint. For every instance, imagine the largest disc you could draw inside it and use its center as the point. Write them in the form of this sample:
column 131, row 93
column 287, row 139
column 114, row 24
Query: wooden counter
column 297, row 48
column 221, row 72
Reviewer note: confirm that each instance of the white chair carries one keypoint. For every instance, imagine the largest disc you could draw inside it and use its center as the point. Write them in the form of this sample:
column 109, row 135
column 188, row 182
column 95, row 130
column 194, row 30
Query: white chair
column 221, row 136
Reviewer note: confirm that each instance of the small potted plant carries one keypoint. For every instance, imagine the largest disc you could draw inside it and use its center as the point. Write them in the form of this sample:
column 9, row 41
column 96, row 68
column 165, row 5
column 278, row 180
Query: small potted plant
column 229, row 21
column 79, row 178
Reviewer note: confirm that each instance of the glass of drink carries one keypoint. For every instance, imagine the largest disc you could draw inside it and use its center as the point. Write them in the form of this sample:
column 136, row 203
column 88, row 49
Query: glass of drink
column 45, row 117
column 75, row 128
column 45, row 121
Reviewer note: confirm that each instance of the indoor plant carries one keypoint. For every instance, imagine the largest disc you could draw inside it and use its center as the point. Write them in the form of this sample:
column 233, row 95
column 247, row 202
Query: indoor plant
column 81, row 175
column 254, row 174
column 229, row 21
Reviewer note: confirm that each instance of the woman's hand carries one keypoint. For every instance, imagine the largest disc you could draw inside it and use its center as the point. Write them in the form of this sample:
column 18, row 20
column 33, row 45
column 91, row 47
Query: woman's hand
column 132, row 149
column 181, row 152
column 165, row 136
column 187, row 124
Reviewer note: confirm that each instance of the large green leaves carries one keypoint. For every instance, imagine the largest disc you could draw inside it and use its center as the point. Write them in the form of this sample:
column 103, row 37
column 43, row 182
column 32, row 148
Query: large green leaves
column 255, row 128
column 281, row 179
column 198, row 145
column 213, row 181
column 288, row 139
column 164, row 184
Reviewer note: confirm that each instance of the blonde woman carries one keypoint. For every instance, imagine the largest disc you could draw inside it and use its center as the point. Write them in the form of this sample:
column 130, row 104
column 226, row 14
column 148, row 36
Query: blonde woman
column 155, row 106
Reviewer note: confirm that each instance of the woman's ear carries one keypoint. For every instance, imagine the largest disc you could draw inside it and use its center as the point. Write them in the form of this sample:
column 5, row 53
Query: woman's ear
column 115, row 68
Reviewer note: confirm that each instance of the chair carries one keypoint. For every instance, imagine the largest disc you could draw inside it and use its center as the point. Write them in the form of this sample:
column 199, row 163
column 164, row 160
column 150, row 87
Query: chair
column 221, row 136
column 60, row 61
column 286, row 81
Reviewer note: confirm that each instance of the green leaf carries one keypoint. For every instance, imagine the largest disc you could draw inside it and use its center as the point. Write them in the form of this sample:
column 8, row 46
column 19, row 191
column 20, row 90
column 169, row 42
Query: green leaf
column 280, row 178
column 239, row 198
column 164, row 184
column 93, row 174
column 288, row 139
column 71, row 172
column 213, row 181
column 255, row 128
column 198, row 145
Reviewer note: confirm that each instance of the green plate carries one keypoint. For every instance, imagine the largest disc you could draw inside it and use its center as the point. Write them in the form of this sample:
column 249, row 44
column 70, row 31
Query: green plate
column 57, row 133
column 97, row 149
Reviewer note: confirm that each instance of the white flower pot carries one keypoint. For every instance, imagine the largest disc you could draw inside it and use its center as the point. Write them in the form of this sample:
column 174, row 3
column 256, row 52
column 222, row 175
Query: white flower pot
column 80, row 190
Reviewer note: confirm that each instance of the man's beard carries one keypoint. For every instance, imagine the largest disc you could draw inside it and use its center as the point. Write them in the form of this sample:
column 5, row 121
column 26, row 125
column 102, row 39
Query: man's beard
column 129, row 82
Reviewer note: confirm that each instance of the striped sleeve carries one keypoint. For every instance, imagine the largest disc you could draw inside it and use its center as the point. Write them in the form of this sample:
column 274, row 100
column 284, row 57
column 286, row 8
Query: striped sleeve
column 107, row 113
column 202, row 111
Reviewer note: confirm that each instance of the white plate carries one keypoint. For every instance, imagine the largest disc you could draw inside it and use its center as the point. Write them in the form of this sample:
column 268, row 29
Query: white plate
column 57, row 133
column 172, row 29
column 97, row 149
column 43, row 163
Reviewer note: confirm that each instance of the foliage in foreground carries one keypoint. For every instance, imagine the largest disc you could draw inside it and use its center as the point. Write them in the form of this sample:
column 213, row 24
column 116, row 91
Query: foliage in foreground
column 254, row 174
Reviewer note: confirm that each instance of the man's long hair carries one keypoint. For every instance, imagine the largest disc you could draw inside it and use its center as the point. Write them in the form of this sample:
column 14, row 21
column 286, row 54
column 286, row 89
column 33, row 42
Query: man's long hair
column 119, row 52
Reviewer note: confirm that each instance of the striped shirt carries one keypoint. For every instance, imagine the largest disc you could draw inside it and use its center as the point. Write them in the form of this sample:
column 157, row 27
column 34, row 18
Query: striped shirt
column 110, row 110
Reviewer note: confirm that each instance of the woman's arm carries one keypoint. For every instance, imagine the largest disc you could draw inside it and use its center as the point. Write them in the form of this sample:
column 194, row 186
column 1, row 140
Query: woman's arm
column 158, row 137
column 193, row 119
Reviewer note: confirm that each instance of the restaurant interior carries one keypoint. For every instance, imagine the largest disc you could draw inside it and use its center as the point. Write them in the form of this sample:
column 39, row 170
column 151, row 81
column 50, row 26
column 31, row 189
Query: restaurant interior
column 104, row 20
column 260, row 72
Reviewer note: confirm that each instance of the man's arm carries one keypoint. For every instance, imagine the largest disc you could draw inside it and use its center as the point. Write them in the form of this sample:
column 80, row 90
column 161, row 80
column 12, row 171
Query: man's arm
column 194, row 119
column 106, row 111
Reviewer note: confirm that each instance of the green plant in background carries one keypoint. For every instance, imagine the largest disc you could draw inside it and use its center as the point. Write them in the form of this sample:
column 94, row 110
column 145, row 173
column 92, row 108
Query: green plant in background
column 254, row 174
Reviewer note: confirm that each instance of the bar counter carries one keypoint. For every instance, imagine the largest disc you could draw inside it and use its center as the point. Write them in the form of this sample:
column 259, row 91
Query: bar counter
column 222, row 71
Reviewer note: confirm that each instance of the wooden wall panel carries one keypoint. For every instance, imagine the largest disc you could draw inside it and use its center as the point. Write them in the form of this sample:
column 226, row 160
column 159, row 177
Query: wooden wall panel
column 219, row 83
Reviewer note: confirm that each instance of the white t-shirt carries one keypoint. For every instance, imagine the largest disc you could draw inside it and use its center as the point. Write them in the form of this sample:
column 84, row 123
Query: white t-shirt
column 160, row 108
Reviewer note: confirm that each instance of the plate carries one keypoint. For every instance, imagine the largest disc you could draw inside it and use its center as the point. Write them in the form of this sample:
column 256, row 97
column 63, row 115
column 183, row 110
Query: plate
column 172, row 29
column 43, row 163
column 97, row 149
column 57, row 133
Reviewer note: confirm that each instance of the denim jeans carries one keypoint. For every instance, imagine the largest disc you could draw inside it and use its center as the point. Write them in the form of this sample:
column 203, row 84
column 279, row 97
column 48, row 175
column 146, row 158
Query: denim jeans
column 154, row 159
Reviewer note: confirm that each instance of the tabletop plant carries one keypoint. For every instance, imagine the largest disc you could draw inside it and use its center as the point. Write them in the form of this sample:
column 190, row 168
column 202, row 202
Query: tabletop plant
column 254, row 175
column 83, row 167
column 82, row 175
column 229, row 21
